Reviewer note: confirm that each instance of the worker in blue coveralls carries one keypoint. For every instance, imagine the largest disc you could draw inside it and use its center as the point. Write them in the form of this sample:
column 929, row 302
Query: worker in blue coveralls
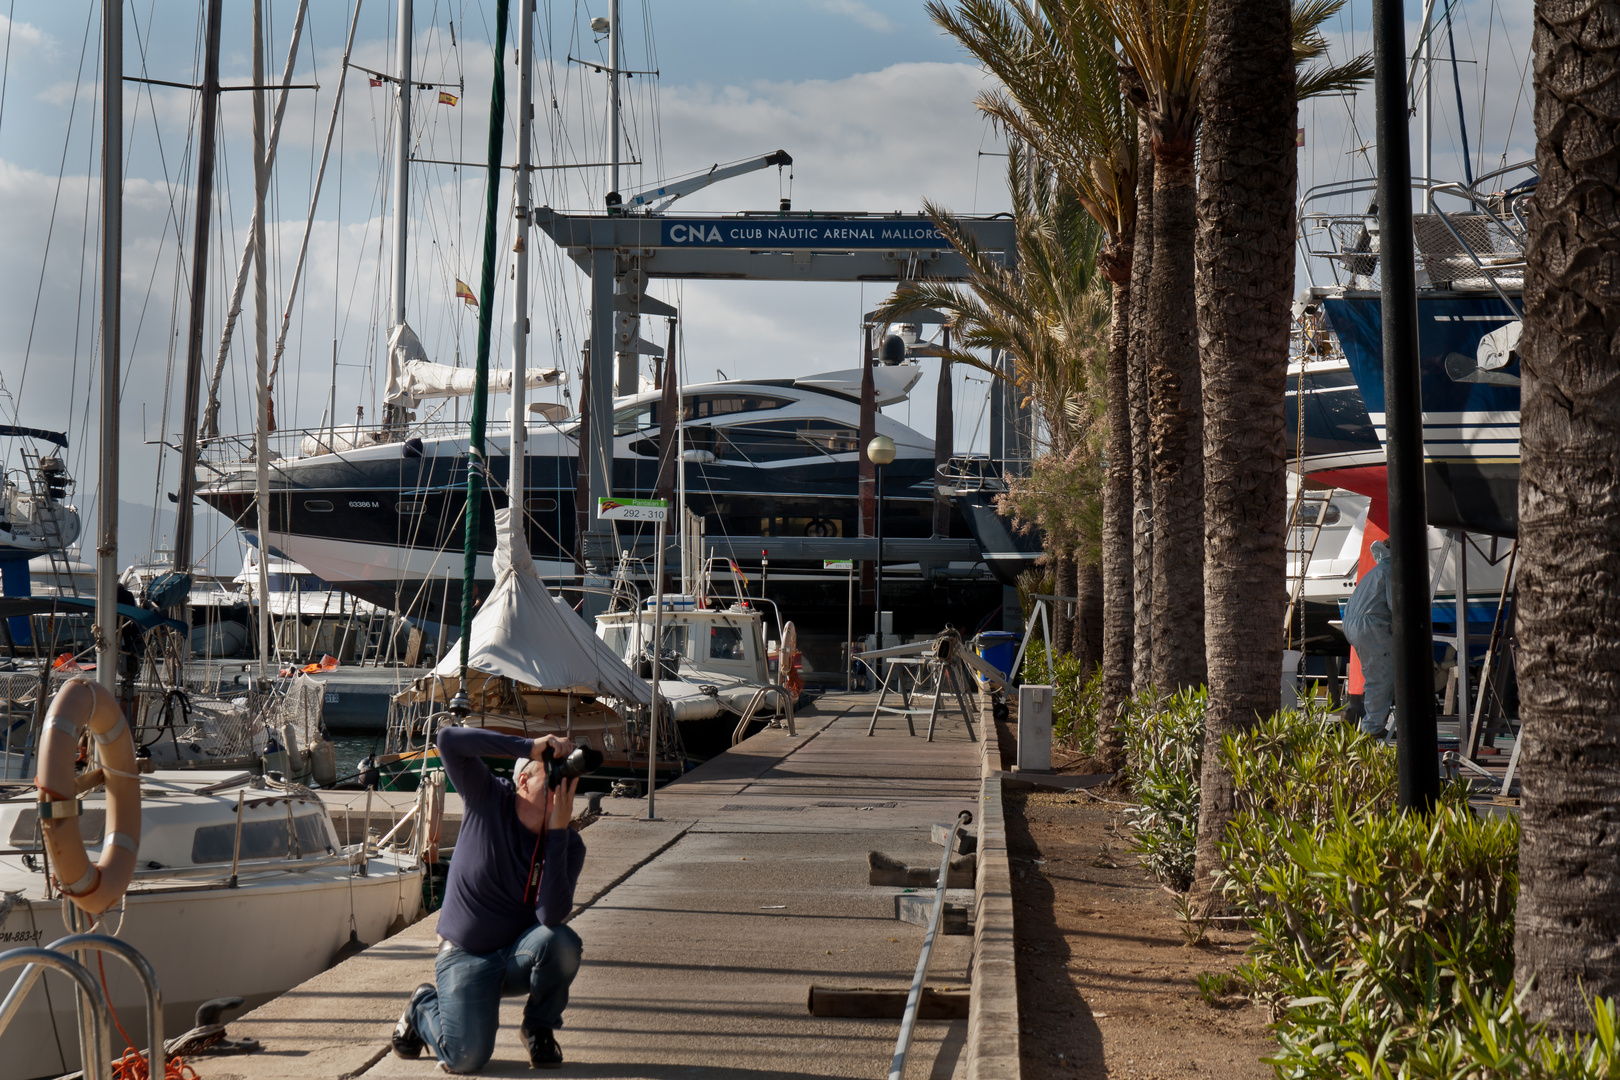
column 501, row 928
column 1369, row 626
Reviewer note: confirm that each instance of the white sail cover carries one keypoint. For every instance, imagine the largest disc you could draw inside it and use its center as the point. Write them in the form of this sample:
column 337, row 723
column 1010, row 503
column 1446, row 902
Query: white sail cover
column 412, row 376
column 531, row 637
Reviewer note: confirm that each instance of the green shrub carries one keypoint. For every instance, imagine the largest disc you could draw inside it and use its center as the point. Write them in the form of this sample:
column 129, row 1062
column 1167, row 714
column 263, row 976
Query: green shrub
column 1164, row 750
column 1372, row 927
column 1076, row 696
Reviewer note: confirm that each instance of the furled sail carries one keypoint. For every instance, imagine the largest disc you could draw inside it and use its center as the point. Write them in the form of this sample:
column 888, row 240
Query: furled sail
column 413, row 377
column 524, row 633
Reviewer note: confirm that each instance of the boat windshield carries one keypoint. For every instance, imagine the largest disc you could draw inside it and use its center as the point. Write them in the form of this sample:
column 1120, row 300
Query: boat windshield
column 645, row 414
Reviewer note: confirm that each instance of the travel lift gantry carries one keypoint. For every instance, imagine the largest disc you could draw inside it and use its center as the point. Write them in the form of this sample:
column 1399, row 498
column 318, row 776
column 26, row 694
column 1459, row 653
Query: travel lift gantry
column 622, row 251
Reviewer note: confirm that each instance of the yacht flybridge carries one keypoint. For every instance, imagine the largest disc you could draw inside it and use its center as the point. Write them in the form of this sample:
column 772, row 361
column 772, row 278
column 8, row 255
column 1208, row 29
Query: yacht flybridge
column 762, row 458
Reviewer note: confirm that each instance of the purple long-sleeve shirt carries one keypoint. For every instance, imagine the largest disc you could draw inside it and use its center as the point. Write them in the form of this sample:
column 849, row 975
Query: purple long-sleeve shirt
column 484, row 907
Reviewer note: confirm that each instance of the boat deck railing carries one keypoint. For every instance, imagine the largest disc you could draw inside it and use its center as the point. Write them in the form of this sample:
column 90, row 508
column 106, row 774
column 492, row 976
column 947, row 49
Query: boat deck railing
column 1473, row 242
column 68, row 955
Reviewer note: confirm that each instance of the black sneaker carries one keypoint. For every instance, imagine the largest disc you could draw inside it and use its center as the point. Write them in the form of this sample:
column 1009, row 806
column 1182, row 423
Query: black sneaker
column 544, row 1053
column 407, row 1042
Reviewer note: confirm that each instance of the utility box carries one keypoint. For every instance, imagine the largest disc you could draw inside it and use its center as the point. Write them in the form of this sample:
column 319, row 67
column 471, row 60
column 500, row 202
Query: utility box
column 1034, row 728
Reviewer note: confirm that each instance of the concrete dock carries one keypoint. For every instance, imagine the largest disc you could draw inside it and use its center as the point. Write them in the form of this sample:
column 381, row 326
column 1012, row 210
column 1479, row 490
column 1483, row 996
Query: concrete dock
column 705, row 930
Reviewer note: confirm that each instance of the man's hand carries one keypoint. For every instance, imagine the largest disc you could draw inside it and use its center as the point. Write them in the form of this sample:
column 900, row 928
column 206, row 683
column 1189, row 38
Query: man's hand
column 560, row 747
column 562, row 804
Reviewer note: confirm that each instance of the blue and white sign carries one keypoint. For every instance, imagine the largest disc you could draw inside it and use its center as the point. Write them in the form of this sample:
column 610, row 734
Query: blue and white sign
column 827, row 234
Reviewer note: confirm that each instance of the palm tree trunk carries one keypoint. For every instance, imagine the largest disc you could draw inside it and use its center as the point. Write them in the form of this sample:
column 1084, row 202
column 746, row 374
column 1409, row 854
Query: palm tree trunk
column 1088, row 616
column 1569, row 526
column 1062, row 609
column 1247, row 177
column 1141, row 459
column 1118, row 613
column 1176, row 397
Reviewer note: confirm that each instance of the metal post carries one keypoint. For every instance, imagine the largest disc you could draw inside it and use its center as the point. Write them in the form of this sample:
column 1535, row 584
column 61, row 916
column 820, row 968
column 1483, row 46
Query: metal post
column 877, row 616
column 658, row 661
column 516, row 482
column 261, row 347
column 1462, row 634
column 849, row 634
column 599, row 451
column 199, row 290
column 112, row 239
column 1419, row 775
column 613, row 101
column 402, row 156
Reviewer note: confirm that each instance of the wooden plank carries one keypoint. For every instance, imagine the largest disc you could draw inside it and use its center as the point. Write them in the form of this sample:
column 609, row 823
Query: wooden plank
column 872, row 1003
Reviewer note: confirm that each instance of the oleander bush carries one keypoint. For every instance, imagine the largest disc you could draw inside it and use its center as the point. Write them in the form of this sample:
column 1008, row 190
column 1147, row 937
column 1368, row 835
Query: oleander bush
column 1164, row 748
column 1378, row 934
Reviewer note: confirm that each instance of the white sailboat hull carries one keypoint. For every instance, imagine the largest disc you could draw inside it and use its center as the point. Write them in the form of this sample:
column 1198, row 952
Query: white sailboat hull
column 254, row 941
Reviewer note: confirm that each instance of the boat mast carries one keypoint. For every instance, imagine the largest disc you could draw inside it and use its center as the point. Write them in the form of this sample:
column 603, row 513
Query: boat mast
column 112, row 238
column 402, row 158
column 476, row 462
column 515, row 483
column 261, row 345
column 199, row 290
column 613, row 99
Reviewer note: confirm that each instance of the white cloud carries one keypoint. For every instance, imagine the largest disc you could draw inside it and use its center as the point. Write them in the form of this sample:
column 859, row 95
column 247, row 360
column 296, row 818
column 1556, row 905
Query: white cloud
column 24, row 36
column 859, row 12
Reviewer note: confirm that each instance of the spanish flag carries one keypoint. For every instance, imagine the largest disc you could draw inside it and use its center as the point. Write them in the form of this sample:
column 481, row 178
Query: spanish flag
column 446, row 98
column 464, row 292
column 735, row 569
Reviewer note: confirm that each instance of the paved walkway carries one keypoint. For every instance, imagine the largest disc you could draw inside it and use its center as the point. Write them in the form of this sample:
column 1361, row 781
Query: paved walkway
column 704, row 931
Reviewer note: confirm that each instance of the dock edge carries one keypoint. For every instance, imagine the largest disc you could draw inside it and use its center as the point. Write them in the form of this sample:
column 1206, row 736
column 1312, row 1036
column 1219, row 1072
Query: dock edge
column 993, row 1051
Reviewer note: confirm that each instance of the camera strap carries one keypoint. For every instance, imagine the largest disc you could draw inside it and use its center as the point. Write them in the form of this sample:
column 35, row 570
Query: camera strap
column 537, row 862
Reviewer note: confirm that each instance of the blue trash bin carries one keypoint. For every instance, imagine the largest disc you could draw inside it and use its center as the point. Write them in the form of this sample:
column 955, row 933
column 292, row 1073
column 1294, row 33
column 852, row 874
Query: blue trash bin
column 998, row 648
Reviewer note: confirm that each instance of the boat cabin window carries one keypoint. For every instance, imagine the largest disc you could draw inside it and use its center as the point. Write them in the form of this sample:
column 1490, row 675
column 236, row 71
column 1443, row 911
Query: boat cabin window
column 644, row 415
column 92, row 825
column 267, row 838
column 726, row 643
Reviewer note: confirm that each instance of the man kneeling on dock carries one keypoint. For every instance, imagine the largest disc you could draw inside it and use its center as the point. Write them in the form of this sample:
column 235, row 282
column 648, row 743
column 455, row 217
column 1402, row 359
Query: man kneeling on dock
column 501, row 928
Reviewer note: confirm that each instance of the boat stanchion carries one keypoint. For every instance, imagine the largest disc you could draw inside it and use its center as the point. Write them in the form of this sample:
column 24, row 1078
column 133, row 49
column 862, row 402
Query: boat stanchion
column 236, row 846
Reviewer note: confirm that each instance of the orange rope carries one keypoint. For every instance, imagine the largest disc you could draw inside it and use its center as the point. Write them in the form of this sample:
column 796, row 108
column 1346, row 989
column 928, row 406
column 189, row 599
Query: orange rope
column 132, row 1066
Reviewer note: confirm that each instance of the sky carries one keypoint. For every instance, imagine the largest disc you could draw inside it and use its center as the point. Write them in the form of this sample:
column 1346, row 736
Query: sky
column 872, row 101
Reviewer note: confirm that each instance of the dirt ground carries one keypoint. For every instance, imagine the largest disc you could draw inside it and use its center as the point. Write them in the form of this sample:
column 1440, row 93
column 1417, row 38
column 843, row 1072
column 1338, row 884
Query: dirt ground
column 1107, row 985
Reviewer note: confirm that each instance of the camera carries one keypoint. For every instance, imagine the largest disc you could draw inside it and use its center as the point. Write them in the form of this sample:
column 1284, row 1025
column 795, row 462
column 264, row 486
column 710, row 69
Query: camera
column 585, row 759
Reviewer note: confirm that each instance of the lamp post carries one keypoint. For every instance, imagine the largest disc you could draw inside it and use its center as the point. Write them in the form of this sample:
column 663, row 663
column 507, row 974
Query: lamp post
column 880, row 451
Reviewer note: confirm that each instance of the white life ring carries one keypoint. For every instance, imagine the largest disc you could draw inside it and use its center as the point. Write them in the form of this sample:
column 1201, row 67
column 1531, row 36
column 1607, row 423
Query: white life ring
column 79, row 704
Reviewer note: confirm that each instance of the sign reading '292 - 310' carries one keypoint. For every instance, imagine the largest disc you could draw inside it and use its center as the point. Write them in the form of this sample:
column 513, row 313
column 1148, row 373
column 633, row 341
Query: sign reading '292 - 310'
column 632, row 509
column 822, row 233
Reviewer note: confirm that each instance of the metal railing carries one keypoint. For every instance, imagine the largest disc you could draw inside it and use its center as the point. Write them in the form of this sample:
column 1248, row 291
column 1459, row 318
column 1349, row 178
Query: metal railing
column 783, row 706
column 908, row 1019
column 95, row 1036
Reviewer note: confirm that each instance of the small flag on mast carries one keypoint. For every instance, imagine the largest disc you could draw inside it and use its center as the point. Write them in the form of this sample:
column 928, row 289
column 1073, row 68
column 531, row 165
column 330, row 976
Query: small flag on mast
column 376, row 81
column 464, row 292
column 446, row 98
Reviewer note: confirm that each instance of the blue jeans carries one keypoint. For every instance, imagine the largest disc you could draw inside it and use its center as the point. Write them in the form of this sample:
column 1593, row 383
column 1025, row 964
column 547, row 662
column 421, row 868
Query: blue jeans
column 458, row 1020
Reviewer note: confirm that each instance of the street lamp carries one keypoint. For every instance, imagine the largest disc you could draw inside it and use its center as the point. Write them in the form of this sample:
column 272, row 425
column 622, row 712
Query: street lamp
column 880, row 451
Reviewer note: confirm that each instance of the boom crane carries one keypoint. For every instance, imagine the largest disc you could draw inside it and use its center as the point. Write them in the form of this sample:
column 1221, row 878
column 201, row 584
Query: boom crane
column 656, row 200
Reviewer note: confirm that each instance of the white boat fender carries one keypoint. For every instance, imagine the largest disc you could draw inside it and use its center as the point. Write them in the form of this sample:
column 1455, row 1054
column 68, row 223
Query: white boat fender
column 323, row 762
column 297, row 759
column 79, row 704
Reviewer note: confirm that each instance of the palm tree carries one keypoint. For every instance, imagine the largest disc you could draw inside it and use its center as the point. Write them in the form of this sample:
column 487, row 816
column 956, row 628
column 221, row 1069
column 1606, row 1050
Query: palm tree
column 1569, row 529
column 1061, row 97
column 1162, row 43
column 1141, row 427
column 1247, row 180
column 1049, row 315
column 1248, row 167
